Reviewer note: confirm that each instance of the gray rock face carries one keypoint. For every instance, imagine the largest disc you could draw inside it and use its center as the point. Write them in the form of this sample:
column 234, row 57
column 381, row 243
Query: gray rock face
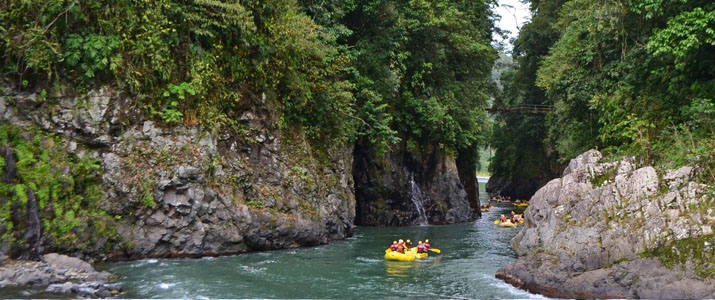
column 404, row 191
column 595, row 232
column 189, row 191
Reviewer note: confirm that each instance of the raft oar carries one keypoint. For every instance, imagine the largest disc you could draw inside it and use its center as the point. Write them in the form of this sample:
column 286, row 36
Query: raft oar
column 435, row 250
column 496, row 221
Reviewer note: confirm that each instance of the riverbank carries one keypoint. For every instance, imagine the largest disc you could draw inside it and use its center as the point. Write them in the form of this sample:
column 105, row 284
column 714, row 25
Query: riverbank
column 55, row 275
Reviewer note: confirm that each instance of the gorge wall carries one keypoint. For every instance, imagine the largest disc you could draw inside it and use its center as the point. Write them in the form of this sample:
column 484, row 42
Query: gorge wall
column 169, row 191
column 188, row 191
column 398, row 188
column 616, row 230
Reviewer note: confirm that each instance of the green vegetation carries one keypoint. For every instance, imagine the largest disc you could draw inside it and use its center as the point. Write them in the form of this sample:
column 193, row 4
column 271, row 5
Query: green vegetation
column 379, row 70
column 423, row 67
column 520, row 140
column 196, row 62
column 677, row 253
column 67, row 189
column 628, row 78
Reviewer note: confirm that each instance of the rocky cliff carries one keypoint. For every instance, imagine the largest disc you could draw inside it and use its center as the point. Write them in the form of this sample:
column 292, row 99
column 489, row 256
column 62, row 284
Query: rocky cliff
column 616, row 230
column 181, row 190
column 399, row 188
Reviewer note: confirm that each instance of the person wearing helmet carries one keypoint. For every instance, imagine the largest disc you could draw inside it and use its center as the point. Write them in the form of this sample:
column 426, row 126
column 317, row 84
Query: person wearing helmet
column 393, row 247
column 408, row 244
column 401, row 246
column 502, row 219
column 426, row 245
column 421, row 247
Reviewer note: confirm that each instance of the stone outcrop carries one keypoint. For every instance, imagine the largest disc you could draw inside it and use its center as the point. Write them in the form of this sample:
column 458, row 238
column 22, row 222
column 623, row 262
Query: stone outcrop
column 184, row 191
column 57, row 274
column 614, row 230
column 398, row 189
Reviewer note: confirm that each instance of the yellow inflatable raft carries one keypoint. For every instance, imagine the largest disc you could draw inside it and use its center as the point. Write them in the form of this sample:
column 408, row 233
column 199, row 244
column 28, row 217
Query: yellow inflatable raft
column 506, row 224
column 413, row 250
column 410, row 255
column 398, row 256
column 521, row 204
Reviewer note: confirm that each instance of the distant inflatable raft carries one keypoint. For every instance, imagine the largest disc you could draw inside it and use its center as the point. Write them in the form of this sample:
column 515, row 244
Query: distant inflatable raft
column 521, row 204
column 506, row 224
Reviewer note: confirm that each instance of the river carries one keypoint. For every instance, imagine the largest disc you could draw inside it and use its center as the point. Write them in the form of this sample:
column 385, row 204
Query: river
column 354, row 268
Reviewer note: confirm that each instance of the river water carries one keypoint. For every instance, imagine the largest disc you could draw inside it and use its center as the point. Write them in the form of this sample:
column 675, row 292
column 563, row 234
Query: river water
column 354, row 268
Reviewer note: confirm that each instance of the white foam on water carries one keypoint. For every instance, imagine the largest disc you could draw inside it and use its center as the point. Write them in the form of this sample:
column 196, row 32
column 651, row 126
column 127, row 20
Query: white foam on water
column 498, row 283
column 166, row 286
column 369, row 260
column 268, row 261
column 252, row 270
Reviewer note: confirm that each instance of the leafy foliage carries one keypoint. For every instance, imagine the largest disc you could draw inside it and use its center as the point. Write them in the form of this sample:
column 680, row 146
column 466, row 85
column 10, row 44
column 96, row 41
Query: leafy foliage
column 631, row 78
column 67, row 190
column 520, row 140
column 427, row 64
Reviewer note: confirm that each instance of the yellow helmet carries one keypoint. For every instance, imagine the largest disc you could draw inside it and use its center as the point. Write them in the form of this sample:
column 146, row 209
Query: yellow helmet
column 427, row 241
column 401, row 241
column 420, row 242
column 409, row 241
column 502, row 215
column 394, row 242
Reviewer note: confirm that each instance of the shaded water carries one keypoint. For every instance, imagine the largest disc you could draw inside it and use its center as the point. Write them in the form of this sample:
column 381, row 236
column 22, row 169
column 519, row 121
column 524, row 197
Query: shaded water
column 354, row 268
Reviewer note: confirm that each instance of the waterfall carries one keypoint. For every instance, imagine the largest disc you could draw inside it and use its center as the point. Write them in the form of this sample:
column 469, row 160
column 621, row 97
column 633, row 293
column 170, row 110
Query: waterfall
column 417, row 198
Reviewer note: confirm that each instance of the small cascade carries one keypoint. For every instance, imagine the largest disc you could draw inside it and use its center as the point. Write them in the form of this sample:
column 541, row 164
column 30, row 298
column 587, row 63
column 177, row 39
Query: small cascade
column 418, row 199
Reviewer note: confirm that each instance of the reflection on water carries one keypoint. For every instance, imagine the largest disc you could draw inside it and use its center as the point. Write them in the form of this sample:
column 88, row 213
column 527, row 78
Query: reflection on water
column 399, row 268
column 409, row 269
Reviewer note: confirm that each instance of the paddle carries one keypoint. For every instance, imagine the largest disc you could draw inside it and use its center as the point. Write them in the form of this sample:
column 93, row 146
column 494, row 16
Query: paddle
column 496, row 221
column 435, row 250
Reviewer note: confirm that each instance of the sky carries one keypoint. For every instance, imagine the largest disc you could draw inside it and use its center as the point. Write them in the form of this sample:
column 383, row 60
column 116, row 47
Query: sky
column 512, row 18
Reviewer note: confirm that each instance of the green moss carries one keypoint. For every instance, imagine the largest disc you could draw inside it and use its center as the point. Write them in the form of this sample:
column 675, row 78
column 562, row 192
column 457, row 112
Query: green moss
column 67, row 189
column 609, row 175
column 677, row 253
column 147, row 197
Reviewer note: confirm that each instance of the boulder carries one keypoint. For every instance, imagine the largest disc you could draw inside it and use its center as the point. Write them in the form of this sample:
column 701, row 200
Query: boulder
column 612, row 230
column 65, row 262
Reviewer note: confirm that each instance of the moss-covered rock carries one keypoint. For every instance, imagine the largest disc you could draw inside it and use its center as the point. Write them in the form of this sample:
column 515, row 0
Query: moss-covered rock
column 161, row 191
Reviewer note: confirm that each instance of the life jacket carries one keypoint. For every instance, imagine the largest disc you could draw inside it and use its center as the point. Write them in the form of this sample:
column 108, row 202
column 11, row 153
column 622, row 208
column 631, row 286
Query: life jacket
column 400, row 247
column 393, row 247
column 421, row 248
column 426, row 246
